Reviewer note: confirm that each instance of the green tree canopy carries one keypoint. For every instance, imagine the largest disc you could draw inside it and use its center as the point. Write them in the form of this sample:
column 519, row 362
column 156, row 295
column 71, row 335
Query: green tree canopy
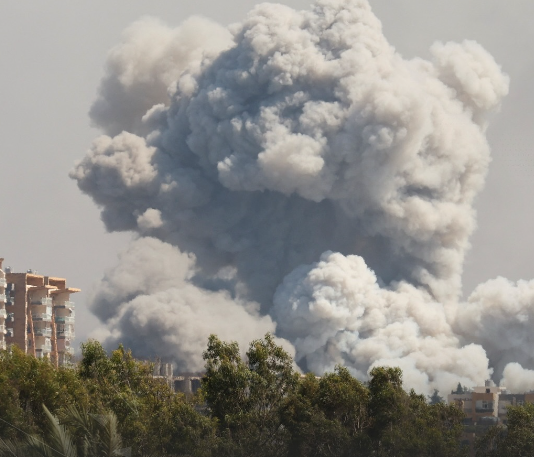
column 254, row 405
column 514, row 440
column 247, row 397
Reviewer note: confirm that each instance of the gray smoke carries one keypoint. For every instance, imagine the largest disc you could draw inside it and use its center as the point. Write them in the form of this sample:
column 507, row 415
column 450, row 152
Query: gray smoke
column 299, row 174
column 150, row 305
column 499, row 315
column 336, row 312
column 141, row 70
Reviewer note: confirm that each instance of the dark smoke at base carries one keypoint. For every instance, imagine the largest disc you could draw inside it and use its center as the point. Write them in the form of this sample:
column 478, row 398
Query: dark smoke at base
column 297, row 175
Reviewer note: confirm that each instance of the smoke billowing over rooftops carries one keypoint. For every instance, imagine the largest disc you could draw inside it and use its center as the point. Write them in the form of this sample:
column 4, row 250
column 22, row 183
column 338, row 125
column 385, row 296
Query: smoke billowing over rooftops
column 295, row 174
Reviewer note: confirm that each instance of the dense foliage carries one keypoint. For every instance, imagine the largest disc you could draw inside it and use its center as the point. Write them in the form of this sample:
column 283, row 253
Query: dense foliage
column 514, row 440
column 151, row 419
column 257, row 405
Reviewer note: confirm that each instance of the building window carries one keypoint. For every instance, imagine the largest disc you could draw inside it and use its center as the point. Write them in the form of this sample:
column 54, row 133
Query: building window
column 483, row 406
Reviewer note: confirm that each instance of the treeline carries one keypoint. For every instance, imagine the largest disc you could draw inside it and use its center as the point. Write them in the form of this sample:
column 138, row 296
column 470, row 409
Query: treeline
column 257, row 406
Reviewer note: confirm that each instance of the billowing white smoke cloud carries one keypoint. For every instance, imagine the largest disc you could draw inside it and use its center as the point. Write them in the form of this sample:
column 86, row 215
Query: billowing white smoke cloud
column 323, row 183
column 140, row 71
column 499, row 316
column 517, row 379
column 149, row 304
column 335, row 312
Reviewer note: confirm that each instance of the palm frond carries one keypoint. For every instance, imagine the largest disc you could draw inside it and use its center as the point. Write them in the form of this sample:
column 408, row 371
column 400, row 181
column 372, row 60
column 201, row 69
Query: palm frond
column 110, row 442
column 13, row 449
column 77, row 418
column 58, row 443
column 81, row 423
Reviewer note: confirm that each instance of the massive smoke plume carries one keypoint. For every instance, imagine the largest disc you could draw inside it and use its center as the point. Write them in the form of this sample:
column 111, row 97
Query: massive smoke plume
column 295, row 174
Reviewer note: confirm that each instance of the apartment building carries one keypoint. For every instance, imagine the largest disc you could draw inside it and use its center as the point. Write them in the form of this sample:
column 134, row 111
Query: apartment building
column 507, row 399
column 3, row 312
column 489, row 403
column 41, row 315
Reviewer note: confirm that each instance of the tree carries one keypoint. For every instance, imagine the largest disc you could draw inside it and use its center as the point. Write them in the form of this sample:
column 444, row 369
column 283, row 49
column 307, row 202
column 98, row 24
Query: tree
column 328, row 416
column 247, row 397
column 226, row 381
column 385, row 403
column 405, row 425
column 26, row 383
column 514, row 440
column 151, row 417
column 435, row 398
column 79, row 435
column 251, row 406
column 459, row 389
column 425, row 429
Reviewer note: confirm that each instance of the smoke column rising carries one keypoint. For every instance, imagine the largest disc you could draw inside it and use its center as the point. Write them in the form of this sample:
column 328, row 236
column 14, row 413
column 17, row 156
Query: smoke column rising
column 295, row 174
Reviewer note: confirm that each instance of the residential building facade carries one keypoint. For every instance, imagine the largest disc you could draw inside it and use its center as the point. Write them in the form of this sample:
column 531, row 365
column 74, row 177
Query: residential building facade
column 41, row 315
column 488, row 404
column 3, row 312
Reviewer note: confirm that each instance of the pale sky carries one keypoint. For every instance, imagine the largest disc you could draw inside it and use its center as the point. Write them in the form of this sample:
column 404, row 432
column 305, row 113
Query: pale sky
column 53, row 54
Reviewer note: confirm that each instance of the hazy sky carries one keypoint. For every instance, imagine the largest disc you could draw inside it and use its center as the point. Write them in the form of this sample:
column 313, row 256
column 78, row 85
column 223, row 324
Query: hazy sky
column 52, row 59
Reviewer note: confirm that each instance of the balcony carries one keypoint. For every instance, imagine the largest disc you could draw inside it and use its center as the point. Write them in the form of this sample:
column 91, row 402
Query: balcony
column 42, row 301
column 10, row 300
column 44, row 348
column 3, row 313
column 66, row 334
column 45, row 331
column 3, row 297
column 3, row 282
column 2, row 328
column 64, row 320
column 3, row 344
column 65, row 304
column 42, row 352
column 10, row 332
column 43, row 317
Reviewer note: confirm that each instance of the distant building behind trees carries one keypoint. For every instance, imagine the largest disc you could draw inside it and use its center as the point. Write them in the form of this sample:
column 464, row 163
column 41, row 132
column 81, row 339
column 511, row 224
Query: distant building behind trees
column 485, row 407
column 488, row 403
column 187, row 383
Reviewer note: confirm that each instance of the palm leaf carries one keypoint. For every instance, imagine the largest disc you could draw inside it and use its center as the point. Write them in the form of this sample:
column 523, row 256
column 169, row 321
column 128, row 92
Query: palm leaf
column 12, row 449
column 58, row 443
column 110, row 442
column 82, row 424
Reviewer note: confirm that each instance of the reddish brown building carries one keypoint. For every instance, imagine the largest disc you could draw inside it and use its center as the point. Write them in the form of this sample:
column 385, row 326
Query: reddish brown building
column 3, row 312
column 40, row 314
